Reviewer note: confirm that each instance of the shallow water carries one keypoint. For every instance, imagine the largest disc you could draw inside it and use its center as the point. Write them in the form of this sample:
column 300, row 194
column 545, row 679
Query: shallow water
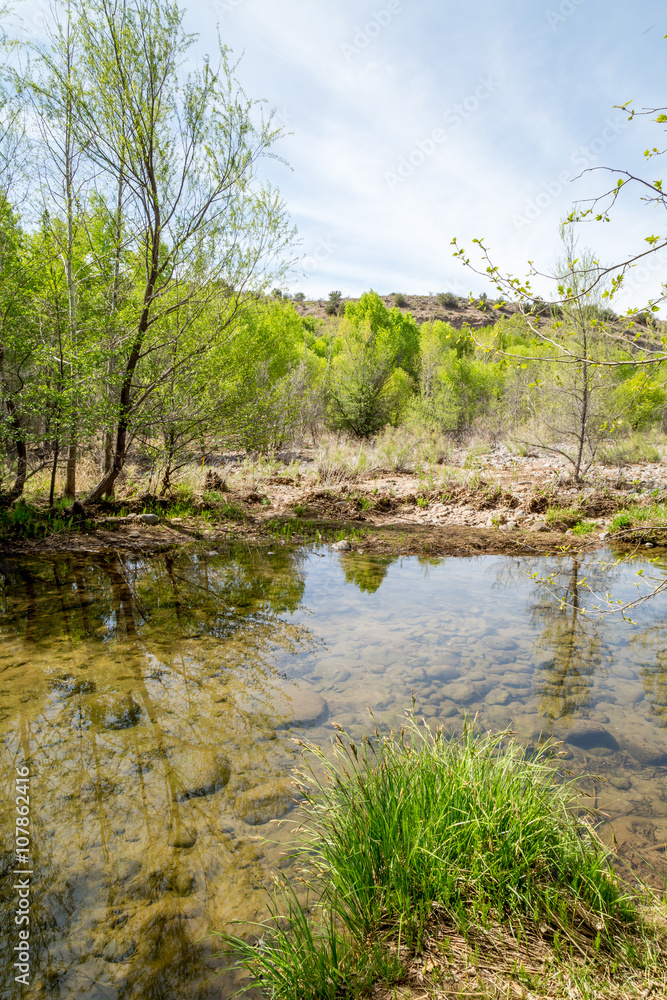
column 155, row 703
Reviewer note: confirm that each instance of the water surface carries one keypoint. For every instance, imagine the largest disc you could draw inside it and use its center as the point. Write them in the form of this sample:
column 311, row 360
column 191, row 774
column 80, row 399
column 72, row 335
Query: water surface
column 156, row 700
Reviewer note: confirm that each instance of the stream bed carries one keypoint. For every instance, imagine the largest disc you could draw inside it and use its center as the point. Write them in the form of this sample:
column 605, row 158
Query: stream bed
column 154, row 703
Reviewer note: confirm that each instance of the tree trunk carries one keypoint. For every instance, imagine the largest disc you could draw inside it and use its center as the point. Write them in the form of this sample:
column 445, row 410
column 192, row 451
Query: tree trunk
column 108, row 460
column 22, row 459
column 70, row 478
column 54, row 469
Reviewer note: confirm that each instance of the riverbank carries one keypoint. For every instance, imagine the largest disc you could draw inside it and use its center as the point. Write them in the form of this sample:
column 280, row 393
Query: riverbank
column 496, row 504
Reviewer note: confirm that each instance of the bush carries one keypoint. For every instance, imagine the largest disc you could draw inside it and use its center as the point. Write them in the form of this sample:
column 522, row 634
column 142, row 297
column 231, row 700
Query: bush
column 629, row 451
column 299, row 297
column 448, row 300
column 333, row 305
column 400, row 301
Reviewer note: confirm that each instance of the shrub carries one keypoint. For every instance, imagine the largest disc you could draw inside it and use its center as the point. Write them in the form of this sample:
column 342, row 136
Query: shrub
column 400, row 301
column 299, row 297
column 448, row 300
column 628, row 451
column 332, row 306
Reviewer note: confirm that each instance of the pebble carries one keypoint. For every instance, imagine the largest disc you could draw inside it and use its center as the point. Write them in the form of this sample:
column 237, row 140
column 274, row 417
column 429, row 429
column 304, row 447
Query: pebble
column 498, row 696
column 197, row 771
column 149, row 518
column 265, row 802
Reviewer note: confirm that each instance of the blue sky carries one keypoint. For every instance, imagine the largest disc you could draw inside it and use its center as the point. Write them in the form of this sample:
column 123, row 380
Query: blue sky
column 414, row 122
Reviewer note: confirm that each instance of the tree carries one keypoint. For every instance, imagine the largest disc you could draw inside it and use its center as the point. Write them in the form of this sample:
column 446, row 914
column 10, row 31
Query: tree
column 173, row 160
column 374, row 360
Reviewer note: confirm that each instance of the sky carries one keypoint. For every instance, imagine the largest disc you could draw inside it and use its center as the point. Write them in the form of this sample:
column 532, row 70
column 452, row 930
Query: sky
column 411, row 122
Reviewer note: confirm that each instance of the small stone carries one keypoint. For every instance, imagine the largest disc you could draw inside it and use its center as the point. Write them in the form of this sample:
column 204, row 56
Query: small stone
column 149, row 518
column 183, row 884
column 265, row 802
column 198, row 771
column 342, row 546
column 119, row 951
column 498, row 696
column 184, row 839
column 649, row 545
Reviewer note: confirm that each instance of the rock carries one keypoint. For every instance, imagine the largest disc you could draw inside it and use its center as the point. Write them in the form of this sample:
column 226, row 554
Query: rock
column 497, row 642
column 514, row 679
column 462, row 692
column 498, row 696
column 125, row 869
column 642, row 750
column 119, row 951
column 443, row 672
column 265, row 802
column 116, row 713
column 197, row 771
column 585, row 734
column 183, row 839
column 183, row 883
column 149, row 518
column 342, row 546
column 280, row 703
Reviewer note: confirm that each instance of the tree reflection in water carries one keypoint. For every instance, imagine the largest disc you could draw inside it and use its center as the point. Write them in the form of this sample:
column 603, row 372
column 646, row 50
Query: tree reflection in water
column 121, row 681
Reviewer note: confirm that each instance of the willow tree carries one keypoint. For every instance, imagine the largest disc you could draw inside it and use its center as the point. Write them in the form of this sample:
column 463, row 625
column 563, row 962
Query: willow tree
column 176, row 157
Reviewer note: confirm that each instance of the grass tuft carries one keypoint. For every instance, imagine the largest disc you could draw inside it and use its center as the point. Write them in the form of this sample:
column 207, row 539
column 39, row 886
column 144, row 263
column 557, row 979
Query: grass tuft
column 413, row 831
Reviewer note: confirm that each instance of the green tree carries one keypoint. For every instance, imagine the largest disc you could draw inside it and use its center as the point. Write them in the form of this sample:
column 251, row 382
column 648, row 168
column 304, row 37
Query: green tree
column 180, row 154
column 372, row 366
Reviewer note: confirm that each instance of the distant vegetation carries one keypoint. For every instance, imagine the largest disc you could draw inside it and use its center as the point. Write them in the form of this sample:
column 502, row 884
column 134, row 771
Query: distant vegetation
column 280, row 378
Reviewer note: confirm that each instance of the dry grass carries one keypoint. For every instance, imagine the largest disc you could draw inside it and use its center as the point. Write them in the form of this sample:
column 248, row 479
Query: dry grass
column 496, row 965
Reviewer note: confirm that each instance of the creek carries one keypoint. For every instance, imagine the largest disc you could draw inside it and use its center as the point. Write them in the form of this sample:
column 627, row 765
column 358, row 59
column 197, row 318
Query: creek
column 156, row 701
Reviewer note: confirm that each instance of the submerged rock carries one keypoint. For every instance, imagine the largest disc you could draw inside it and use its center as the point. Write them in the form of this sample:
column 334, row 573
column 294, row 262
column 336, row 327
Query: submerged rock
column 585, row 734
column 115, row 713
column 197, row 771
column 279, row 704
column 642, row 750
column 265, row 802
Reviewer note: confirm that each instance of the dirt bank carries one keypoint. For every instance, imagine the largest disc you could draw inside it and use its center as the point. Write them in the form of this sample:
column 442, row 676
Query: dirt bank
column 502, row 505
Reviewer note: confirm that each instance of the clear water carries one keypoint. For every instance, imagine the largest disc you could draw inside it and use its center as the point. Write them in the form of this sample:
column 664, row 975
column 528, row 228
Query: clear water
column 155, row 703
